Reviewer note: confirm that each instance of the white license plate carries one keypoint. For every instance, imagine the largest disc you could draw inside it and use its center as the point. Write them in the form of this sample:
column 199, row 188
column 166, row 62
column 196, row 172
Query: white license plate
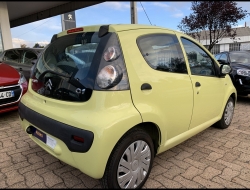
column 51, row 142
column 7, row 94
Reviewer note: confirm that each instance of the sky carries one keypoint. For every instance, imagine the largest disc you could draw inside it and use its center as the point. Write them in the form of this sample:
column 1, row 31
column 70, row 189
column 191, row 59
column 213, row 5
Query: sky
column 166, row 14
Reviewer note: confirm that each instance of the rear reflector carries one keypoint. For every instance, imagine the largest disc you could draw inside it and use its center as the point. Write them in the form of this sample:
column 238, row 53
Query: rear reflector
column 74, row 30
column 78, row 139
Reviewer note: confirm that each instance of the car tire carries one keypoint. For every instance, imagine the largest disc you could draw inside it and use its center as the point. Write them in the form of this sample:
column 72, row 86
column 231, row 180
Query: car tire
column 132, row 156
column 227, row 115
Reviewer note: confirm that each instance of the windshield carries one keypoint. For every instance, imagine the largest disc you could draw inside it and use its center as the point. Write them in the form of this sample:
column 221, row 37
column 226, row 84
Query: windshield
column 241, row 57
column 62, row 69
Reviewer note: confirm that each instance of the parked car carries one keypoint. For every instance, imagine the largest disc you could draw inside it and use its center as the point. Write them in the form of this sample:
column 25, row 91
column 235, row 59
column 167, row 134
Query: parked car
column 240, row 63
column 21, row 59
column 144, row 90
column 12, row 86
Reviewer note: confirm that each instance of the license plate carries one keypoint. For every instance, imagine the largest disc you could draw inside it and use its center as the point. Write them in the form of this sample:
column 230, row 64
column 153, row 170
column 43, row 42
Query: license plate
column 51, row 142
column 7, row 94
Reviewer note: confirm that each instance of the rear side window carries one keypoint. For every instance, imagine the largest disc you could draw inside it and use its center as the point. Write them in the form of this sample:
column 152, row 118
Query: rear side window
column 162, row 52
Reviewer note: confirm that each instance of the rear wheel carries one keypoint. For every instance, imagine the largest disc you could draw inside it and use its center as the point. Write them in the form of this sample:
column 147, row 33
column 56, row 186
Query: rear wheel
column 130, row 162
column 227, row 115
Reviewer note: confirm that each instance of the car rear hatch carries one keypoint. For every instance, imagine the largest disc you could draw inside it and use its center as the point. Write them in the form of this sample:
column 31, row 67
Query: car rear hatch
column 77, row 63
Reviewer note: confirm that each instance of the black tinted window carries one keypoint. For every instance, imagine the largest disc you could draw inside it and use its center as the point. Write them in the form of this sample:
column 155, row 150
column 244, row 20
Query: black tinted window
column 162, row 52
column 64, row 67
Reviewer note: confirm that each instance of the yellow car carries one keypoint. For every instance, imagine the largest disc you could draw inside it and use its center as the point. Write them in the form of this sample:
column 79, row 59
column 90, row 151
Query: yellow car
column 107, row 98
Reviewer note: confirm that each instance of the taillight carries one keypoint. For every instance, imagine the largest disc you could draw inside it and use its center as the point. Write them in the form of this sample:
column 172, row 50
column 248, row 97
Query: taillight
column 112, row 73
column 111, row 53
column 78, row 139
column 108, row 77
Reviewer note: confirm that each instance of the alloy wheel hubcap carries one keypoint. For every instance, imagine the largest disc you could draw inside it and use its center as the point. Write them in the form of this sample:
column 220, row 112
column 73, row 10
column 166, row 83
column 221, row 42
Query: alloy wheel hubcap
column 134, row 165
column 229, row 113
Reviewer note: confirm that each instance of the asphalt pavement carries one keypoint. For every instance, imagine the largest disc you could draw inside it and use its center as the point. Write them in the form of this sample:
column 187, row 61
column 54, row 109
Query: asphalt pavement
column 214, row 158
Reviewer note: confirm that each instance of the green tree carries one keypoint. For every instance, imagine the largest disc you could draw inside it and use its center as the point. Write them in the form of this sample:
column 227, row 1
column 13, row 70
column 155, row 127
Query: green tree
column 23, row 45
column 212, row 19
column 37, row 45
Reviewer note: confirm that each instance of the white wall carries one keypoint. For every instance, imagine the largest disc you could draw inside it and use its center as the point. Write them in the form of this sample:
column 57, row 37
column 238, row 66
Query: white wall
column 5, row 26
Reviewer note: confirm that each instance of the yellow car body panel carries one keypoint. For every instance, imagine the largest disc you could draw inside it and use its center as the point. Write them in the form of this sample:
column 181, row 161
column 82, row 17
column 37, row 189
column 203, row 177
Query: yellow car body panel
column 108, row 115
column 182, row 99
column 162, row 104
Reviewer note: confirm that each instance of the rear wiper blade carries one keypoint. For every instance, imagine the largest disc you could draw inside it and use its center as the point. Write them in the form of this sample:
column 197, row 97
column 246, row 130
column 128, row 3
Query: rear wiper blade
column 53, row 72
column 76, row 83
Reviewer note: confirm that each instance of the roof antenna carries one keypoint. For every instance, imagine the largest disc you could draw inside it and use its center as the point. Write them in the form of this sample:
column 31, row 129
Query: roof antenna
column 145, row 12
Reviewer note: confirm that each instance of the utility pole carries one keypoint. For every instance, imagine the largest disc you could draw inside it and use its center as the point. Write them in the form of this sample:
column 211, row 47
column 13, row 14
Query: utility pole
column 133, row 10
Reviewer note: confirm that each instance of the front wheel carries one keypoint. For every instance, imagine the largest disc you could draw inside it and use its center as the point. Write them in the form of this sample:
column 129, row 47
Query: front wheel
column 227, row 115
column 130, row 162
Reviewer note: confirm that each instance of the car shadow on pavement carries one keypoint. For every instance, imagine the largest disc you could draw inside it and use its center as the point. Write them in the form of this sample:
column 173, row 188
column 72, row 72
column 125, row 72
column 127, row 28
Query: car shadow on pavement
column 244, row 99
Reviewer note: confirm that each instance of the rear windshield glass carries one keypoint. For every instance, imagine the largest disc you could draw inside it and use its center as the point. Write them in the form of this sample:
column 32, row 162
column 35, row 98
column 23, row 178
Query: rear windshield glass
column 64, row 65
column 69, row 54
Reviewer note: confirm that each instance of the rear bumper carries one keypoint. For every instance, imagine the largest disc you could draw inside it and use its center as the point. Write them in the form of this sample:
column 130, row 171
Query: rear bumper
column 59, row 130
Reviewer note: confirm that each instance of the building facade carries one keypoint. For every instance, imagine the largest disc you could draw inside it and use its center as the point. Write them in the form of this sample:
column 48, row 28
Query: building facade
column 240, row 42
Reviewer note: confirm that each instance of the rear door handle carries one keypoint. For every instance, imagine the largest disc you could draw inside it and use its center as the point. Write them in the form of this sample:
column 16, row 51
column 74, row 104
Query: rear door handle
column 146, row 86
column 197, row 84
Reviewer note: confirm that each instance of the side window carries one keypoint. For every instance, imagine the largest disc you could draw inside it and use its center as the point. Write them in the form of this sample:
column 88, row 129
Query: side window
column 28, row 56
column 12, row 55
column 199, row 61
column 162, row 52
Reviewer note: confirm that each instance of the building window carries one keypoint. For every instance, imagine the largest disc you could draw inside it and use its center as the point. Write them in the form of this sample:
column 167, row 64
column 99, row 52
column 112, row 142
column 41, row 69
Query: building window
column 215, row 49
column 234, row 46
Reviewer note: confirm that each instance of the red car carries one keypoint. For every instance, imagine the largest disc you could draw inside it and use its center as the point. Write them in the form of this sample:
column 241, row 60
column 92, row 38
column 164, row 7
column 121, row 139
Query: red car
column 12, row 86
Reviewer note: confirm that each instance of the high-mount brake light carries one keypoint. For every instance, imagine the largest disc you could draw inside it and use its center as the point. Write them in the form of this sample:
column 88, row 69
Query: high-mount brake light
column 74, row 30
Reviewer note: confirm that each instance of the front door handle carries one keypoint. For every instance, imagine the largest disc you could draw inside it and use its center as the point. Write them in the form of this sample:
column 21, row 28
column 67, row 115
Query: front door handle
column 197, row 84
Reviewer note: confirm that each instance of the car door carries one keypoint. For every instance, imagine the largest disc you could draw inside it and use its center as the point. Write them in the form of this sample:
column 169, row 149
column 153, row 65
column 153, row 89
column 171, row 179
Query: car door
column 161, row 88
column 26, row 62
column 209, row 88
